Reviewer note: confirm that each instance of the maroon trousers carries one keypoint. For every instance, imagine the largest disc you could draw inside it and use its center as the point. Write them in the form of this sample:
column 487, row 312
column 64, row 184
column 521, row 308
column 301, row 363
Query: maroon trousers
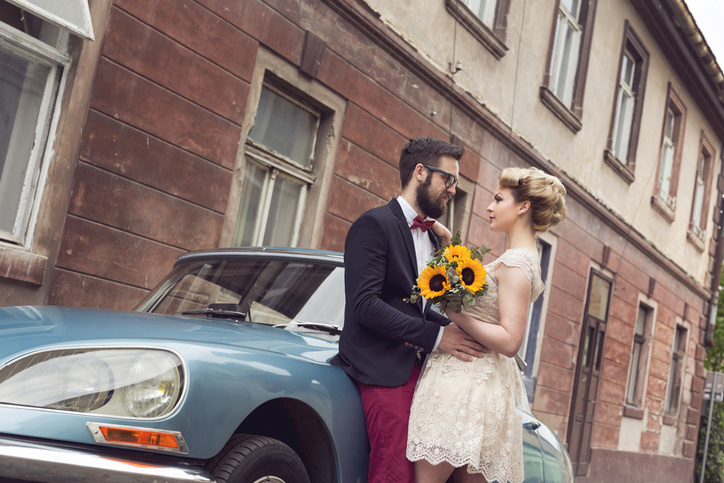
column 387, row 412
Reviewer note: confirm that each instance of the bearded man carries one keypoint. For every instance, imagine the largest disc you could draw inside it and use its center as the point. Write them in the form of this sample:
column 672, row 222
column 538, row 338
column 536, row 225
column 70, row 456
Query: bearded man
column 385, row 338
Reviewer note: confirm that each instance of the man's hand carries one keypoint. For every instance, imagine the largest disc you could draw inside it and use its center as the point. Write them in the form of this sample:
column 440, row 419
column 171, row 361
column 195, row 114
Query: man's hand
column 458, row 343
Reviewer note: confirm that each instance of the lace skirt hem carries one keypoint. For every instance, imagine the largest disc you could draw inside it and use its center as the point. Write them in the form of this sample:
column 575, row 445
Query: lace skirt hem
column 435, row 456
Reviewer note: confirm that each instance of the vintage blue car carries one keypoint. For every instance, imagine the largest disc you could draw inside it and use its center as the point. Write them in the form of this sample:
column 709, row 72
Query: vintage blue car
column 221, row 374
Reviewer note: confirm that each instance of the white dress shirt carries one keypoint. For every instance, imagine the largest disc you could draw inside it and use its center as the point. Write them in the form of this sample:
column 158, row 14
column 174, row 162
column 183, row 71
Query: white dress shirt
column 423, row 247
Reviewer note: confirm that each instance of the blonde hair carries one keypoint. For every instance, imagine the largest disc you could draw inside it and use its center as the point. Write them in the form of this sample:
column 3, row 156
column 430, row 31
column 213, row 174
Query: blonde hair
column 545, row 193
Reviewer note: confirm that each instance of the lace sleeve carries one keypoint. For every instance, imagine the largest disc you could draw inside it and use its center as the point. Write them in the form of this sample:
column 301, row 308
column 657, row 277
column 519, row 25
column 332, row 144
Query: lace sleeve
column 519, row 259
column 524, row 259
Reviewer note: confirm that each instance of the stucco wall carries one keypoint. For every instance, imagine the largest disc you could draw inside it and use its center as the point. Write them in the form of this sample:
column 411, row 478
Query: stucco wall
column 509, row 88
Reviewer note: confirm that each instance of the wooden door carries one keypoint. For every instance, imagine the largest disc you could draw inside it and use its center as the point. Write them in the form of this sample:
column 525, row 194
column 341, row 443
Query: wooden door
column 588, row 370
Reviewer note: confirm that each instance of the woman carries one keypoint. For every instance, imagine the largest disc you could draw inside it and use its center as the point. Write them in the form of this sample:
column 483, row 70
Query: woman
column 463, row 416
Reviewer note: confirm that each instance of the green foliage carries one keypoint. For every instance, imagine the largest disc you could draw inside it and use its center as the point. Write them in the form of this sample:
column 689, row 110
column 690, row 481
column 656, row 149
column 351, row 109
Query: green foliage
column 715, row 355
column 714, row 472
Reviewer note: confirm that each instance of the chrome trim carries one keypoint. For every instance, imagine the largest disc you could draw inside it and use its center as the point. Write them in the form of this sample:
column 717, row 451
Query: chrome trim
column 51, row 464
column 98, row 436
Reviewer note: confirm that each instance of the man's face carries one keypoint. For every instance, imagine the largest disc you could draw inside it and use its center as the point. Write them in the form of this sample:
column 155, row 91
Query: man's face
column 432, row 194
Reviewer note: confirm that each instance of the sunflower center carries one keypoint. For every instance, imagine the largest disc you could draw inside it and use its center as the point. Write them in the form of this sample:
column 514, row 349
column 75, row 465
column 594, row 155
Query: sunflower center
column 468, row 276
column 437, row 282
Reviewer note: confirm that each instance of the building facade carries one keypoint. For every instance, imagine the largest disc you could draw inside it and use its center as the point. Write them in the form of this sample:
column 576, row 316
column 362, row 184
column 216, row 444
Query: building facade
column 166, row 125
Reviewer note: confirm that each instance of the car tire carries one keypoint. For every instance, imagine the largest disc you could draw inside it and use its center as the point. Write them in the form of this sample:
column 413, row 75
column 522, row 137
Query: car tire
column 257, row 459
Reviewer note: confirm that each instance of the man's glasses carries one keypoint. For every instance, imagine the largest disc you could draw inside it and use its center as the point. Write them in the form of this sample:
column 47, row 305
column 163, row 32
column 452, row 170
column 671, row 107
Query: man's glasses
column 450, row 179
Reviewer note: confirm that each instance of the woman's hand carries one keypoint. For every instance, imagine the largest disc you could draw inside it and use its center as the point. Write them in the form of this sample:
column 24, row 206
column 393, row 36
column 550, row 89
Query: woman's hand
column 442, row 233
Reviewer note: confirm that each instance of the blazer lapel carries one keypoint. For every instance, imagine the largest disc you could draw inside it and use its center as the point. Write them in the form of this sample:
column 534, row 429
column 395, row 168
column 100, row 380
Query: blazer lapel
column 406, row 235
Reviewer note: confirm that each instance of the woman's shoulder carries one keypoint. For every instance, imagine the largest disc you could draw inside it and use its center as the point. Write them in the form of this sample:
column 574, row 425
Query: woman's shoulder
column 523, row 258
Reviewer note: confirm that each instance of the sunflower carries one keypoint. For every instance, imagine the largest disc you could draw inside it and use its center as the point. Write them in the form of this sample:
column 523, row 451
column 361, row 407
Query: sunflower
column 472, row 274
column 456, row 253
column 433, row 282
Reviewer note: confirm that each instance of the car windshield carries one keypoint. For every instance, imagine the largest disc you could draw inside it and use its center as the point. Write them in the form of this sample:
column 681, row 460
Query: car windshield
column 265, row 291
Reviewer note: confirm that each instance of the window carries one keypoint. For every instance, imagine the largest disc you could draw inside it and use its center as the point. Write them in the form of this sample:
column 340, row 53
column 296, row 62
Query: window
column 628, row 104
column 639, row 357
column 31, row 53
column 534, row 329
column 486, row 20
column 278, row 171
column 565, row 78
column 483, row 9
column 678, row 356
column 664, row 199
column 457, row 213
column 702, row 191
column 624, row 109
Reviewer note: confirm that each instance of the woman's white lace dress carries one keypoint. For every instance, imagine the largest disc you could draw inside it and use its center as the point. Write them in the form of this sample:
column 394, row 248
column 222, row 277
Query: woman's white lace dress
column 464, row 412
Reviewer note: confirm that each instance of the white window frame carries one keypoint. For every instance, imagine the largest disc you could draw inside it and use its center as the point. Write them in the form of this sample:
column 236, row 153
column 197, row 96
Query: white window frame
column 277, row 165
column 697, row 225
column 681, row 365
column 666, row 167
column 531, row 373
column 623, row 122
column 640, row 375
column 272, row 174
column 563, row 69
column 72, row 15
column 484, row 10
column 48, row 115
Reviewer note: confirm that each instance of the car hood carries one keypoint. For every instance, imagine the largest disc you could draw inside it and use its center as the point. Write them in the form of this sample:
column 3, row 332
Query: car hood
column 35, row 327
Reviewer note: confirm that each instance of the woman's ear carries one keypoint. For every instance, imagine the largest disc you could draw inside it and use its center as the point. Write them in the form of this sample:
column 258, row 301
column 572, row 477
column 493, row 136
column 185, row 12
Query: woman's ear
column 523, row 207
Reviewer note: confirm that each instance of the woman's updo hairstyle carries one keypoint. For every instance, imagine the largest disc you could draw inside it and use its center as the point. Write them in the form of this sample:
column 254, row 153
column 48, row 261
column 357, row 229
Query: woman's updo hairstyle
column 545, row 192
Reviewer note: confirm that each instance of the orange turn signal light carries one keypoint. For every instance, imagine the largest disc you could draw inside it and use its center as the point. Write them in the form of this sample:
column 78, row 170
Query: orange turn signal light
column 139, row 437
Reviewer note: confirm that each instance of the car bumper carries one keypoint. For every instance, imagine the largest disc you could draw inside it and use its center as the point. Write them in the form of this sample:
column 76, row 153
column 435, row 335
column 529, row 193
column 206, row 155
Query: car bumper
column 38, row 462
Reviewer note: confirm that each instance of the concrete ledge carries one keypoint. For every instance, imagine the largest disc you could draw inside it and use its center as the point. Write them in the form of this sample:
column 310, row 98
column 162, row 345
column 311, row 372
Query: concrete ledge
column 608, row 466
column 22, row 265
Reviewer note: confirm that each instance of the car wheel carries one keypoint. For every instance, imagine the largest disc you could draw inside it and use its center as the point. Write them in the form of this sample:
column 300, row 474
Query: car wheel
column 257, row 459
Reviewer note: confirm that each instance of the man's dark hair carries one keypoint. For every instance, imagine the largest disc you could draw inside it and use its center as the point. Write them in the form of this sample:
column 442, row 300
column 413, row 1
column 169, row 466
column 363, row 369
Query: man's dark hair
column 425, row 151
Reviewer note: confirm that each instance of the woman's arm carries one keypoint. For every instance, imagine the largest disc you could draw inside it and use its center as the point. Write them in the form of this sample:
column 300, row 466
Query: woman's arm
column 442, row 233
column 513, row 304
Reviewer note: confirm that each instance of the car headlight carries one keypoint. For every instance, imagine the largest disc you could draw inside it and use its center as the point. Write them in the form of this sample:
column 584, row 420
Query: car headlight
column 125, row 382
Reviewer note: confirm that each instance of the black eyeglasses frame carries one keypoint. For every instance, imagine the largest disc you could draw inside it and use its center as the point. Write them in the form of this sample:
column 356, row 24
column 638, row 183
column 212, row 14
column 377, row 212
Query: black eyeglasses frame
column 448, row 176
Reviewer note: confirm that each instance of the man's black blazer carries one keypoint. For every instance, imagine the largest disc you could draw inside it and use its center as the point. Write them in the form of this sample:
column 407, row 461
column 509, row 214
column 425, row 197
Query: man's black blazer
column 380, row 271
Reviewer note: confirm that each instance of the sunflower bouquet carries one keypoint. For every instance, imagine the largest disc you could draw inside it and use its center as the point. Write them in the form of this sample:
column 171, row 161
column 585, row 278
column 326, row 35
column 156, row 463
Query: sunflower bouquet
column 454, row 276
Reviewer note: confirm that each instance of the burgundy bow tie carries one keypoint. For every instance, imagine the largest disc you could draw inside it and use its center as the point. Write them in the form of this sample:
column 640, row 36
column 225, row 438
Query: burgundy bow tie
column 423, row 225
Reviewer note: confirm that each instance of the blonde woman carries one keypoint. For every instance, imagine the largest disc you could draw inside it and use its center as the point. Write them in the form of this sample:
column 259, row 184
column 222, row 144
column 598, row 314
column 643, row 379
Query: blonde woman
column 463, row 418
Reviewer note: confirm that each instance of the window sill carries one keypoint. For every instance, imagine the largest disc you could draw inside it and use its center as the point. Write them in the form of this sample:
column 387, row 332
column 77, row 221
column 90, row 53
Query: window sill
column 669, row 420
column 569, row 118
column 695, row 240
column 477, row 28
column 23, row 266
column 662, row 209
column 621, row 169
column 633, row 412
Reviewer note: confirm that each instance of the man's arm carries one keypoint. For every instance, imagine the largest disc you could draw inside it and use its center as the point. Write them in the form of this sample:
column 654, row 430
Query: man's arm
column 366, row 252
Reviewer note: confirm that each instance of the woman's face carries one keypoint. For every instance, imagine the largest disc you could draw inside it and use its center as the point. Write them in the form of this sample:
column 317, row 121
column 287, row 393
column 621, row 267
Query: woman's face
column 503, row 211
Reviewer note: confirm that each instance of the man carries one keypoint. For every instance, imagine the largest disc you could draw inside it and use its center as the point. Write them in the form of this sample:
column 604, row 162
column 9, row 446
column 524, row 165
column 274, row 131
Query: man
column 385, row 251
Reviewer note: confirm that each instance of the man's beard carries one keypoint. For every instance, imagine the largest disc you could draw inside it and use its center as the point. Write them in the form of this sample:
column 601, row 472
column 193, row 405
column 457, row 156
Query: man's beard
column 434, row 208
